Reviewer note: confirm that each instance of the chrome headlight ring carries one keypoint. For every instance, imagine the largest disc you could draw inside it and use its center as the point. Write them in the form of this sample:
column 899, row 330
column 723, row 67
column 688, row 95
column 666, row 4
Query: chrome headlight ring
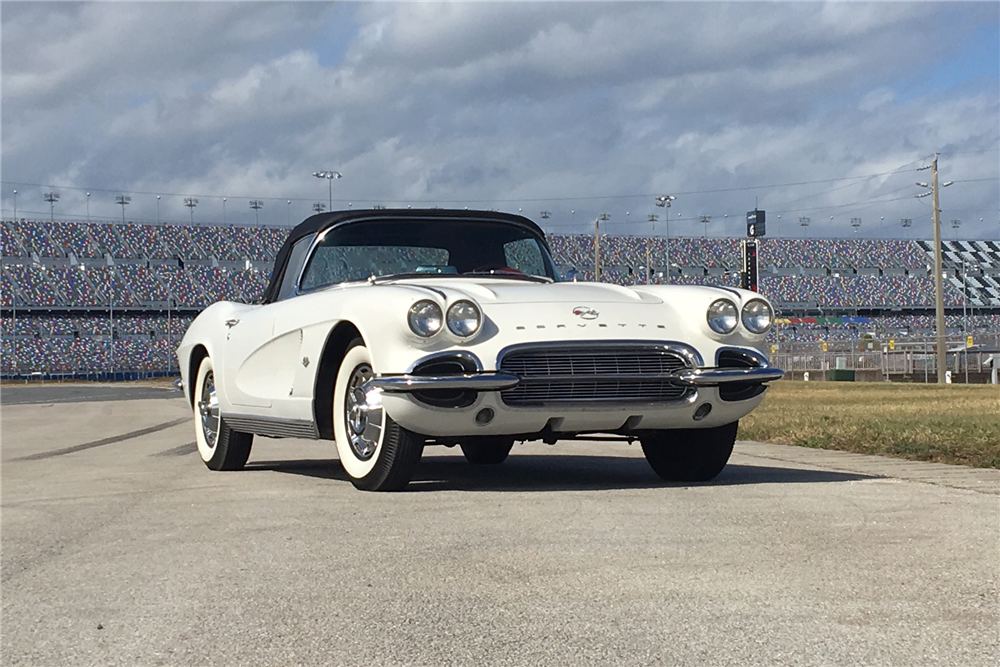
column 757, row 316
column 723, row 316
column 425, row 318
column 464, row 318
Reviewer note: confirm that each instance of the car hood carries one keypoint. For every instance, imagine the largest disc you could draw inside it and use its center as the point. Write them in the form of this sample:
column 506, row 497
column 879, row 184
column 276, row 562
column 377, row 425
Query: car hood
column 500, row 292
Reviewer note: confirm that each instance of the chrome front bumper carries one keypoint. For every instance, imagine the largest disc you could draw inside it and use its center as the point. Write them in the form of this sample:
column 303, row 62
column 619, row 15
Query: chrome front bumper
column 711, row 377
column 405, row 384
column 499, row 380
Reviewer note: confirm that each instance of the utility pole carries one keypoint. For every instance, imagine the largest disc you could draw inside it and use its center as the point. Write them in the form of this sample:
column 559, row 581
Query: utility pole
column 942, row 352
column 597, row 245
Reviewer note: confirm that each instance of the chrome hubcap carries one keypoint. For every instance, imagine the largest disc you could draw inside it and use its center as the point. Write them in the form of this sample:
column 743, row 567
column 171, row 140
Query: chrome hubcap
column 364, row 419
column 208, row 407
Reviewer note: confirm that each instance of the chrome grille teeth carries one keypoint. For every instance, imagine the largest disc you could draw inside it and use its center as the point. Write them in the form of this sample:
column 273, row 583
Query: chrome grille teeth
column 593, row 375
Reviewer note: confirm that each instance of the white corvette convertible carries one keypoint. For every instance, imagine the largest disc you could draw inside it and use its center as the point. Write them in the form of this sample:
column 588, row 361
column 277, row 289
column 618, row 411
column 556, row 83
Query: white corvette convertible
column 389, row 330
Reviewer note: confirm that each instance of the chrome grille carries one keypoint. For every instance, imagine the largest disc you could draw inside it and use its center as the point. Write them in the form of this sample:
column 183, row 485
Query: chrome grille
column 593, row 374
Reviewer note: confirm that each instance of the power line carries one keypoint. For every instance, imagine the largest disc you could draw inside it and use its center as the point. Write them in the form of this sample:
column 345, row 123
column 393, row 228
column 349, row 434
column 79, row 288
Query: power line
column 853, row 179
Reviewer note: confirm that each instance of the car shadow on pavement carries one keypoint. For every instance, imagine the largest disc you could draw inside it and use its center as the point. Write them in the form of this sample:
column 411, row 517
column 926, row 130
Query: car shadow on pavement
column 558, row 473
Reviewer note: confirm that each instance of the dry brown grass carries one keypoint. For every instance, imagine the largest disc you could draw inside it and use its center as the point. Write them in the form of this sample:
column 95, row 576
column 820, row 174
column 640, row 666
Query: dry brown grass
column 946, row 424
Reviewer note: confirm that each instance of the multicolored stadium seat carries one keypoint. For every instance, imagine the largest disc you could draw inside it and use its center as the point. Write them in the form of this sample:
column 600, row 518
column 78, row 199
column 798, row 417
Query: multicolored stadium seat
column 64, row 285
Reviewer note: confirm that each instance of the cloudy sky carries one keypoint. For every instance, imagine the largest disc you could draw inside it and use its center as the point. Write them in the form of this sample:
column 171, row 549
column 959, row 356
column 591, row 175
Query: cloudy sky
column 817, row 110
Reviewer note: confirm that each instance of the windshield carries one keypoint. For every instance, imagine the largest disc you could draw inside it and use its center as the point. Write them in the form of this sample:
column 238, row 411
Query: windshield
column 377, row 248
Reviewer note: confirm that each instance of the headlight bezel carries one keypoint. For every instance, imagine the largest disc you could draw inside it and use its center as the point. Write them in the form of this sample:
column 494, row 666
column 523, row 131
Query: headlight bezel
column 746, row 316
column 714, row 318
column 420, row 318
column 459, row 331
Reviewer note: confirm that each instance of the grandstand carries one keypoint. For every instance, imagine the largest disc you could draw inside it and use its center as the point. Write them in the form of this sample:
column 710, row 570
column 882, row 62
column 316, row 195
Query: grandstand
column 113, row 299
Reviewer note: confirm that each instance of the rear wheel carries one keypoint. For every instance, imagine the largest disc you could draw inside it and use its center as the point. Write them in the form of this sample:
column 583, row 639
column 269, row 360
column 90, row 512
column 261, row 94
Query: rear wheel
column 487, row 450
column 689, row 455
column 377, row 453
column 220, row 447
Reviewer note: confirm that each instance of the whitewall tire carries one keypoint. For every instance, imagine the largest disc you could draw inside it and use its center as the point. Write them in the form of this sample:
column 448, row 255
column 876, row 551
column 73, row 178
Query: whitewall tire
column 377, row 453
column 220, row 447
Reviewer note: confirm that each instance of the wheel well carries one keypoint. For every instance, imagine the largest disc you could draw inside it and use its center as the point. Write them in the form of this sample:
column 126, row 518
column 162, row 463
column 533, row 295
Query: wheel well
column 326, row 376
column 197, row 354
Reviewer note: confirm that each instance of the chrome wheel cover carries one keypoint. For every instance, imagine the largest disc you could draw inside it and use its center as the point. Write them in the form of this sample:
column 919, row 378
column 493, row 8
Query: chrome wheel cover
column 208, row 408
column 362, row 420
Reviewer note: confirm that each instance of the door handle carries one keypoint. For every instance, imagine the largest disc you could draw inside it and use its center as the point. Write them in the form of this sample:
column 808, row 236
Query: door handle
column 232, row 323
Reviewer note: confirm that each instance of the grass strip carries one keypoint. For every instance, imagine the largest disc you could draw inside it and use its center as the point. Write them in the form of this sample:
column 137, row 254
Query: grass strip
column 942, row 423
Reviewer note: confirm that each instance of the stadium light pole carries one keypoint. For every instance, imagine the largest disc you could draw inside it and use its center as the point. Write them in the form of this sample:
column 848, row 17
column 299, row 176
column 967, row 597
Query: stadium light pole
column 288, row 213
column 52, row 198
column 705, row 219
column 88, row 208
column 223, row 210
column 663, row 201
column 942, row 352
column 191, row 202
column 157, row 209
column 123, row 201
column 329, row 175
column 545, row 215
column 256, row 205
column 170, row 302
column 15, row 205
column 111, row 319
column 597, row 244
column 652, row 217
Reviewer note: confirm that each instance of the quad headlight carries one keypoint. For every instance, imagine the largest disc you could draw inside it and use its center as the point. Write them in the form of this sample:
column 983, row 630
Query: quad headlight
column 425, row 318
column 757, row 316
column 464, row 318
column 723, row 316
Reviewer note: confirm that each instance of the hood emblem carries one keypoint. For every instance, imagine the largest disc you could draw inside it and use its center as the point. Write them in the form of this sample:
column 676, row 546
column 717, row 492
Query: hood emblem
column 586, row 312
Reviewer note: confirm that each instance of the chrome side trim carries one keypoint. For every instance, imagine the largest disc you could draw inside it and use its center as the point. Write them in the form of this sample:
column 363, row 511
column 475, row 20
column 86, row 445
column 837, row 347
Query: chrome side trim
column 405, row 384
column 273, row 428
column 707, row 377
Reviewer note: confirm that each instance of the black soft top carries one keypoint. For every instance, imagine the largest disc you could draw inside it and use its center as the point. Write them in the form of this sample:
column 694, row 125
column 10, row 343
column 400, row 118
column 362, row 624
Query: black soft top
column 322, row 221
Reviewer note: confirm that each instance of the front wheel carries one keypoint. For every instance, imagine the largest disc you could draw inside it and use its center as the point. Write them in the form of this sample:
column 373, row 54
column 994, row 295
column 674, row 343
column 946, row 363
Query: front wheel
column 487, row 450
column 689, row 455
column 220, row 447
column 377, row 453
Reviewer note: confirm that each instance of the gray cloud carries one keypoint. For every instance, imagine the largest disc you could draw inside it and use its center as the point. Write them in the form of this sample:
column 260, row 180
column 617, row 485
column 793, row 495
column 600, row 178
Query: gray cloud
column 580, row 107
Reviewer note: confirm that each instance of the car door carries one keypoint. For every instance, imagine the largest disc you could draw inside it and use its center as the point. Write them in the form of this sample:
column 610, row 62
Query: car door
column 259, row 365
column 247, row 348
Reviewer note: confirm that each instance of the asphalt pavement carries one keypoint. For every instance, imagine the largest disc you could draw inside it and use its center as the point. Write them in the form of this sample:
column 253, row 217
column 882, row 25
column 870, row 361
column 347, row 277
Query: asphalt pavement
column 14, row 393
column 121, row 548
